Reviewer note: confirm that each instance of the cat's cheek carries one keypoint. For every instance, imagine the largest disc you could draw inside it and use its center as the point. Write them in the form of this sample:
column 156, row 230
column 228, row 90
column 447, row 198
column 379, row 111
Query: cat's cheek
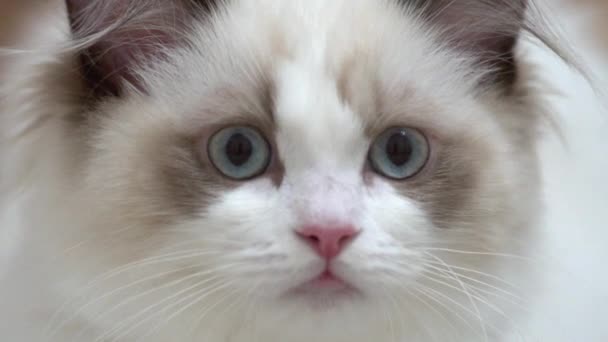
column 401, row 217
column 388, row 251
column 253, row 209
column 252, row 225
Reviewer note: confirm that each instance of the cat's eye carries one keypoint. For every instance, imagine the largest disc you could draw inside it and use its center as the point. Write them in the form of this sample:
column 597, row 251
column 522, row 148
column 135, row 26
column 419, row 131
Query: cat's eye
column 399, row 153
column 239, row 152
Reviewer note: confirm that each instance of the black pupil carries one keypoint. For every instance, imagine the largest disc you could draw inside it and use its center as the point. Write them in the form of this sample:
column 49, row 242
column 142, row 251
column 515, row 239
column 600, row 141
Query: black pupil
column 239, row 149
column 399, row 149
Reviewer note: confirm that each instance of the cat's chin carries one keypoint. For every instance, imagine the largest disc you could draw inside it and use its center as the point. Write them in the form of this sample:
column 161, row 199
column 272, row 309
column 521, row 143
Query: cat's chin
column 324, row 291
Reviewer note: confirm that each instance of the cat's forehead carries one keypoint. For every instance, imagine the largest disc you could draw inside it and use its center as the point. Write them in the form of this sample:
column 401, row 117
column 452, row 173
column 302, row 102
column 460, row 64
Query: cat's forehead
column 352, row 67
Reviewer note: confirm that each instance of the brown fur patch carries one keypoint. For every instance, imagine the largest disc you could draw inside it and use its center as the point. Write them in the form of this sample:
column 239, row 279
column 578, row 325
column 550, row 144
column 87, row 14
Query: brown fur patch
column 189, row 180
column 448, row 189
column 448, row 195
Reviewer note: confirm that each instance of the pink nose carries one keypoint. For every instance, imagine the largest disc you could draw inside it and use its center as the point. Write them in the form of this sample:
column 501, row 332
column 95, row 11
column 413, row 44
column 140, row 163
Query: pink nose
column 328, row 242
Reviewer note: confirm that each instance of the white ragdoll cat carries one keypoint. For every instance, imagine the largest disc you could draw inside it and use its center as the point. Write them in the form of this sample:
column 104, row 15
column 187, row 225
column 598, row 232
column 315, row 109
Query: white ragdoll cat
column 273, row 171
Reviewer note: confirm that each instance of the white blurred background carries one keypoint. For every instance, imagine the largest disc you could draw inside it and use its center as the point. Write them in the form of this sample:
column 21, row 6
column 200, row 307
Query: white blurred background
column 574, row 306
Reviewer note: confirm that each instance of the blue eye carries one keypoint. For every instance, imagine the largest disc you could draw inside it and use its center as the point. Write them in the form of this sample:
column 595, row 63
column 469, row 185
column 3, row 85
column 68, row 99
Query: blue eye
column 399, row 153
column 239, row 152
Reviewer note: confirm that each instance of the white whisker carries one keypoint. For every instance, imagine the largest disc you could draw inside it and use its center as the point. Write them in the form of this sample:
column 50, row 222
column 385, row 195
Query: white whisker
column 112, row 273
column 423, row 290
column 502, row 255
column 124, row 326
column 500, row 293
column 476, row 297
column 467, row 293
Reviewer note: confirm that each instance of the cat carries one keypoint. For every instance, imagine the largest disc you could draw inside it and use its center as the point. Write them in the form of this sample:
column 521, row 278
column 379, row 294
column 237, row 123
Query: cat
column 263, row 170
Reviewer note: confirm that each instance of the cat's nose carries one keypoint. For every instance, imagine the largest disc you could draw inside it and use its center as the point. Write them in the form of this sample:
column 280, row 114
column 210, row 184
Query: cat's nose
column 327, row 241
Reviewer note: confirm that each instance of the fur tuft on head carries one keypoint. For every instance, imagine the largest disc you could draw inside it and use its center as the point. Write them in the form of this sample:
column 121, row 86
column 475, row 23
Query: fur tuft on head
column 117, row 36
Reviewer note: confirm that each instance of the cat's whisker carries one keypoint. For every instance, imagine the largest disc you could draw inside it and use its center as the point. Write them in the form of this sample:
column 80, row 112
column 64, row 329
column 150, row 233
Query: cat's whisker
column 429, row 293
column 478, row 298
column 500, row 292
column 495, row 292
column 398, row 304
column 387, row 315
column 433, row 309
column 467, row 293
column 253, row 300
column 245, row 298
column 196, row 231
column 195, row 275
column 480, row 273
column 201, row 295
column 466, row 310
column 198, row 297
column 481, row 253
column 504, row 294
column 210, row 308
column 94, row 239
column 409, row 291
column 125, row 301
column 422, row 242
column 143, row 315
column 170, row 257
column 460, row 305
column 226, row 241
column 106, row 295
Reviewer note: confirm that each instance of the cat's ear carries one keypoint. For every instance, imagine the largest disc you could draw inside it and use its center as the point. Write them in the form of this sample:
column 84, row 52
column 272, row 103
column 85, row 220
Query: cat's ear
column 116, row 37
column 486, row 29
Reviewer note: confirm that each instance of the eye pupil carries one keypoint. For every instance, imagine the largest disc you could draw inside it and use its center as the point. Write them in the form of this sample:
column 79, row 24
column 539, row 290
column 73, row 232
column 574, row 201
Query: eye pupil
column 239, row 152
column 399, row 153
column 399, row 149
column 239, row 149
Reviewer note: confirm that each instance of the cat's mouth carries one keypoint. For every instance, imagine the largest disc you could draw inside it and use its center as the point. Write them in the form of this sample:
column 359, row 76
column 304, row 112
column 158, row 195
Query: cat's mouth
column 327, row 280
column 325, row 287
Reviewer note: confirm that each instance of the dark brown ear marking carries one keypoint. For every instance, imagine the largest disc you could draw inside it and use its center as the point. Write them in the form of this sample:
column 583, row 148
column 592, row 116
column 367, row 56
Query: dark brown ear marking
column 487, row 29
column 121, row 36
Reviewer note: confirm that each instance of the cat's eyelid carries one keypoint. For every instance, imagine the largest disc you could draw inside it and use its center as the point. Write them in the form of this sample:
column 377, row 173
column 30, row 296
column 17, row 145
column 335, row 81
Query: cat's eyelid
column 426, row 129
column 265, row 126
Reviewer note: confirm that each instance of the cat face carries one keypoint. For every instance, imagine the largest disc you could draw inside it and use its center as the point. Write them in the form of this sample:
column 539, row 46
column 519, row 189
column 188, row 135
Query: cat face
column 319, row 161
